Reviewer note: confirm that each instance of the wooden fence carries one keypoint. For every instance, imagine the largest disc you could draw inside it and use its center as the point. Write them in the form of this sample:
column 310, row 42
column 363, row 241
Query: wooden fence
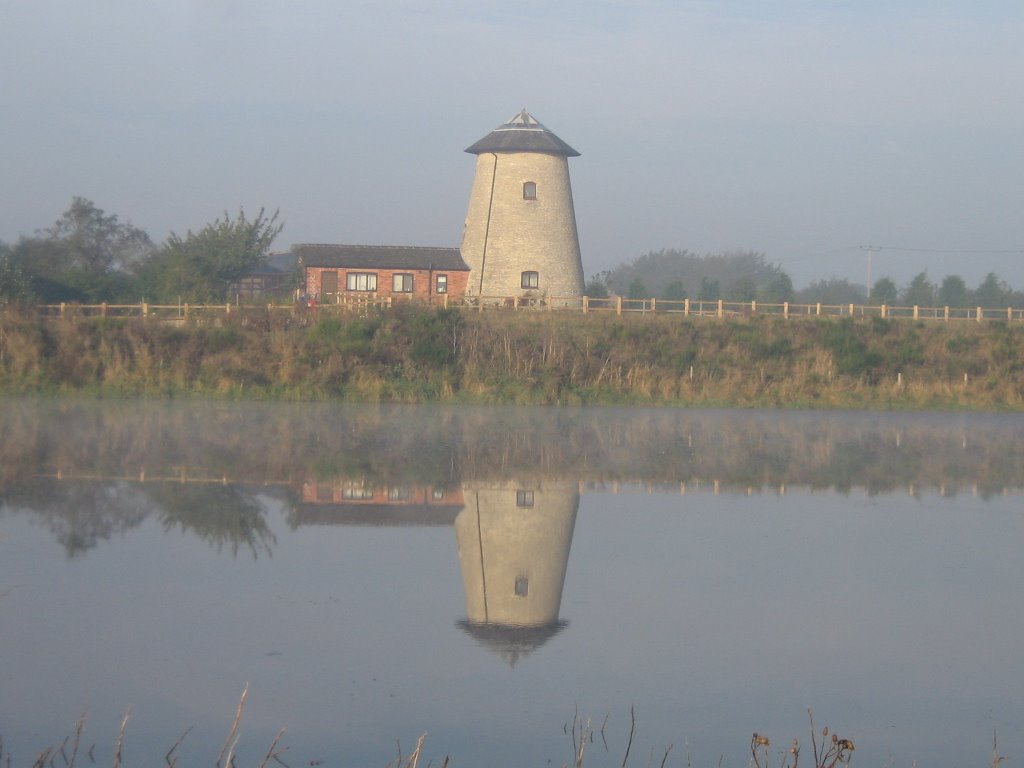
column 616, row 305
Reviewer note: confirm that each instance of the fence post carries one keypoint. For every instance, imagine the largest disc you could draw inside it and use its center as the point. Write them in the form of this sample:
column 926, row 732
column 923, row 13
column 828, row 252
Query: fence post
column 227, row 308
column 586, row 304
column 1009, row 314
column 103, row 309
column 62, row 309
column 618, row 305
column 753, row 307
column 686, row 307
column 945, row 314
column 979, row 316
column 654, row 306
column 915, row 312
column 851, row 310
column 785, row 310
column 721, row 308
column 145, row 309
column 186, row 311
column 881, row 309
column 817, row 309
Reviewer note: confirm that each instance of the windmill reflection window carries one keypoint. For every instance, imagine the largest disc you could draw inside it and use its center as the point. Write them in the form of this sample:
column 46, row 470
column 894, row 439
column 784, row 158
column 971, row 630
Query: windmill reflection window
column 522, row 586
column 524, row 498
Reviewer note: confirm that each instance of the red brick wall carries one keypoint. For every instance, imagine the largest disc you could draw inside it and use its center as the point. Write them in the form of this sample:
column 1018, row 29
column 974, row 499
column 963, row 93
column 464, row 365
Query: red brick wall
column 334, row 493
column 423, row 282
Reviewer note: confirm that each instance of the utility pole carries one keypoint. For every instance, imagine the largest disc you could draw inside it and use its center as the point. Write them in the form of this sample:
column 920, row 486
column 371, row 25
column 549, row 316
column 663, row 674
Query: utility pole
column 871, row 252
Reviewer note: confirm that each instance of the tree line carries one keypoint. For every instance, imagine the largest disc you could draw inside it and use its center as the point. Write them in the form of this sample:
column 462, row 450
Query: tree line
column 90, row 256
column 747, row 276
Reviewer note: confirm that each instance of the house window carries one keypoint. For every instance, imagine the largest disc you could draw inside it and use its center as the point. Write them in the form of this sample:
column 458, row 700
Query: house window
column 522, row 586
column 361, row 281
column 438, row 494
column 356, row 492
column 524, row 498
column 529, row 190
column 398, row 493
column 441, row 286
column 530, row 280
column 401, row 284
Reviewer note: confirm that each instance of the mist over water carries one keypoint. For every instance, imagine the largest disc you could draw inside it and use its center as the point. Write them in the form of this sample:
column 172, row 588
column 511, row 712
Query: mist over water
column 486, row 574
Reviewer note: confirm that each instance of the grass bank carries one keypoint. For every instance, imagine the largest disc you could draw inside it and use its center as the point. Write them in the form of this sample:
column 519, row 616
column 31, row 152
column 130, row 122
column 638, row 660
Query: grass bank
column 411, row 354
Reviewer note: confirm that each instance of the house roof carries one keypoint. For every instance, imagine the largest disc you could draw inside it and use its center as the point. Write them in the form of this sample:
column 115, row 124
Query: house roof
column 379, row 257
column 522, row 133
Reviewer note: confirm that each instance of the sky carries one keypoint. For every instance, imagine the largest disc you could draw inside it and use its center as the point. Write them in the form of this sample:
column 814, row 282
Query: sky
column 804, row 130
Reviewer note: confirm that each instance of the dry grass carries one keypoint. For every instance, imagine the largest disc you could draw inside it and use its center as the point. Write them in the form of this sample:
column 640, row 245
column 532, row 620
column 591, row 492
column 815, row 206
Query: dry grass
column 416, row 355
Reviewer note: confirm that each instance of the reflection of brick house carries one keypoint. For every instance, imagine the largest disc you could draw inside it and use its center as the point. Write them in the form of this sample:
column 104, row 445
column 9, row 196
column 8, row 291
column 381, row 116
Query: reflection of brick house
column 333, row 273
column 355, row 502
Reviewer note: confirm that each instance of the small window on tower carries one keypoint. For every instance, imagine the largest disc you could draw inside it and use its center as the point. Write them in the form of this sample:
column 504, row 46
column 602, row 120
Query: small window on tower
column 530, row 280
column 522, row 586
column 529, row 190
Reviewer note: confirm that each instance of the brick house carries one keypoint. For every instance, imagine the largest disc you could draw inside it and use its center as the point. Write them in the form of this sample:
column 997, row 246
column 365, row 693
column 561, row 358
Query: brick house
column 332, row 273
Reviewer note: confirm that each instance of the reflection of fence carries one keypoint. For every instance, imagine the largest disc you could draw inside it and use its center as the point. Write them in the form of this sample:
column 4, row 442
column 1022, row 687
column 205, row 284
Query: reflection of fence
column 344, row 490
column 617, row 305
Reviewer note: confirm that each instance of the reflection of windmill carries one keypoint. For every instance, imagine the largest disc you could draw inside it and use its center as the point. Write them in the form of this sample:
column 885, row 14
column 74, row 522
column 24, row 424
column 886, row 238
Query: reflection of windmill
column 514, row 550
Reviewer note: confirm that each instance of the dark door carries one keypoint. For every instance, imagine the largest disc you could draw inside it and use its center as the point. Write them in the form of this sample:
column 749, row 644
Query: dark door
column 329, row 288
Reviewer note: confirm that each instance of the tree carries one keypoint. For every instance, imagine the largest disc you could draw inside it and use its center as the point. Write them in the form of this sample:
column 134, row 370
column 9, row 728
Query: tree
column 709, row 290
column 661, row 268
column 742, row 289
column 920, row 291
column 85, row 256
column 883, row 292
column 992, row 292
column 778, row 289
column 595, row 288
column 674, row 291
column 203, row 265
column 637, row 289
column 15, row 283
column 953, row 292
column 832, row 291
column 94, row 242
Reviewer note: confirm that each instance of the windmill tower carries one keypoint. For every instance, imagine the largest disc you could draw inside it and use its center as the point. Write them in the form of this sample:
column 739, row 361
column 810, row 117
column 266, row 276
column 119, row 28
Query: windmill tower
column 520, row 237
column 514, row 547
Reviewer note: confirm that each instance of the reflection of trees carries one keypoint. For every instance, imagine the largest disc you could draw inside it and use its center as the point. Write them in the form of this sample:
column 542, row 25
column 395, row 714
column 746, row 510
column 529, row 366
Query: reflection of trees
column 83, row 513
column 221, row 515
column 80, row 514
column 440, row 446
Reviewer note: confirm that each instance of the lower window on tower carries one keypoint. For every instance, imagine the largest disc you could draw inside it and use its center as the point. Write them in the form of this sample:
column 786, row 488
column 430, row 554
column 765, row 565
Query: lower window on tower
column 530, row 280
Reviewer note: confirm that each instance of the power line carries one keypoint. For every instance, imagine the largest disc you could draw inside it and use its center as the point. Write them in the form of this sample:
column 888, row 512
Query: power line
column 963, row 252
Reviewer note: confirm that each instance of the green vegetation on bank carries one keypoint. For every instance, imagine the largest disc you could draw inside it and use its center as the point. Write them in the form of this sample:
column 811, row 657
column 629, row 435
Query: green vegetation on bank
column 416, row 354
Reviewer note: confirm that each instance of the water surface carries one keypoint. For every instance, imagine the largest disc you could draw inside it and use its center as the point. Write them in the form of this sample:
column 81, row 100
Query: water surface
column 487, row 575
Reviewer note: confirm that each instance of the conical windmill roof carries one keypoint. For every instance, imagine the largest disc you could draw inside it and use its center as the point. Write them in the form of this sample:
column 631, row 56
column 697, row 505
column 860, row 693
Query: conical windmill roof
column 522, row 133
column 509, row 641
